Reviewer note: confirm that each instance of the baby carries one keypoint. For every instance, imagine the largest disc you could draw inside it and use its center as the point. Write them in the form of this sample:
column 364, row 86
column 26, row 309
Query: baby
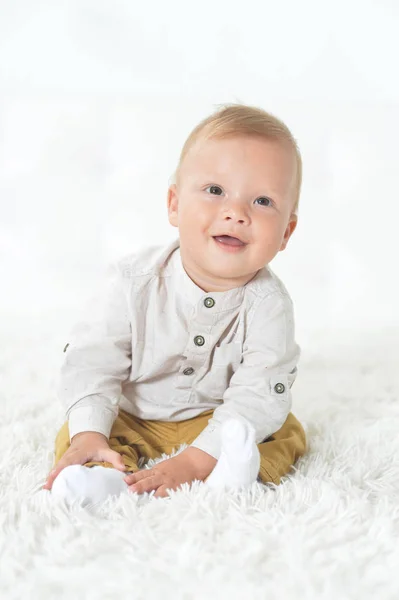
column 192, row 342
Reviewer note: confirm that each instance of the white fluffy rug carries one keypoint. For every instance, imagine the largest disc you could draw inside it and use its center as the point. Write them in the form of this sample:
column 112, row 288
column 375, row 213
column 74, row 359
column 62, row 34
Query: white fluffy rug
column 330, row 530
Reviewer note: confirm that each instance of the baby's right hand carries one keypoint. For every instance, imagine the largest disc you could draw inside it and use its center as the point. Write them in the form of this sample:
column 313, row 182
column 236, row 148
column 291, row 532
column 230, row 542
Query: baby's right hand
column 85, row 447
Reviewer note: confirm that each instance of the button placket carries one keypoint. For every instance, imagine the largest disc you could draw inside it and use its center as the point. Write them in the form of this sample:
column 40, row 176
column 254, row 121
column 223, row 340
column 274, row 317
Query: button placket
column 201, row 319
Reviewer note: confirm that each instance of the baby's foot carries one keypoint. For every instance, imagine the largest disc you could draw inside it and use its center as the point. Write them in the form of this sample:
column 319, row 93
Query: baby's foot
column 88, row 485
column 239, row 462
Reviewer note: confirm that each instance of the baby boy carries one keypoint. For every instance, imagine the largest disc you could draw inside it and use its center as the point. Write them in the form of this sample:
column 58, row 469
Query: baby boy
column 192, row 342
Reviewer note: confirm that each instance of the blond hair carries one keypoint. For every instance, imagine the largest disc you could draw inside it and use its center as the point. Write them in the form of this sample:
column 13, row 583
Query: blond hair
column 240, row 119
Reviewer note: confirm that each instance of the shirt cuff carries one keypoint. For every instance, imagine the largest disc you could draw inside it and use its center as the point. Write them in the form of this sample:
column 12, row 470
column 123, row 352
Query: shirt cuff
column 209, row 441
column 91, row 418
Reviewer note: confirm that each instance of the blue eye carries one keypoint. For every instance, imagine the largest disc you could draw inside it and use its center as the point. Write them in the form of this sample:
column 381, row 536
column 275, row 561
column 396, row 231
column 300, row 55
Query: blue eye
column 213, row 187
column 264, row 198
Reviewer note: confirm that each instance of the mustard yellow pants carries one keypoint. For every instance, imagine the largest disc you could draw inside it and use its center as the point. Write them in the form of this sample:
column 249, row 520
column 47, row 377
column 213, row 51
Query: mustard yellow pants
column 135, row 438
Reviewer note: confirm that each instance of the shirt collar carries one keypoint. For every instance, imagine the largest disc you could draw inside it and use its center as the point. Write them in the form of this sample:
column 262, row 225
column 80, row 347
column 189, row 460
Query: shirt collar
column 223, row 300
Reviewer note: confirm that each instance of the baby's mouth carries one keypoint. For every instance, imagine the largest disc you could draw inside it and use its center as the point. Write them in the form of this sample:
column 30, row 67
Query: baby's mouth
column 229, row 240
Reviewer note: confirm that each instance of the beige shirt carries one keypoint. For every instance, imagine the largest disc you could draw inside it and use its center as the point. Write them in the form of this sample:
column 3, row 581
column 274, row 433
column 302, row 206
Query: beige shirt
column 154, row 343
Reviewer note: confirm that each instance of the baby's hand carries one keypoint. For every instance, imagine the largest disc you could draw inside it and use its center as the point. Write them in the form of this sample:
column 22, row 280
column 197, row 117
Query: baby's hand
column 170, row 473
column 85, row 447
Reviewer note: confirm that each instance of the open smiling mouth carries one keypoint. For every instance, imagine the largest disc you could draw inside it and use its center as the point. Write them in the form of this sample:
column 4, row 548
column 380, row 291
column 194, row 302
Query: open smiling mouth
column 229, row 243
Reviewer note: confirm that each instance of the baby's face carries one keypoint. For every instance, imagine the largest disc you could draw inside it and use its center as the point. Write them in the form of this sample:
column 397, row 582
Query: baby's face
column 238, row 186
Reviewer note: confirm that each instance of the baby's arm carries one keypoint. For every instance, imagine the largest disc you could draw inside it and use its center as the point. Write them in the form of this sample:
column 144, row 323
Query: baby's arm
column 98, row 357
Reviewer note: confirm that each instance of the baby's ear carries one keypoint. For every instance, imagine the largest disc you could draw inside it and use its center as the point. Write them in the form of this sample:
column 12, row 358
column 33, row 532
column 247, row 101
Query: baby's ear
column 289, row 231
column 172, row 205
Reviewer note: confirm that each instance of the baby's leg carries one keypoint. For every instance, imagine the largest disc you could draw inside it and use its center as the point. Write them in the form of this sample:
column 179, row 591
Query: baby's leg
column 239, row 462
column 280, row 452
column 88, row 485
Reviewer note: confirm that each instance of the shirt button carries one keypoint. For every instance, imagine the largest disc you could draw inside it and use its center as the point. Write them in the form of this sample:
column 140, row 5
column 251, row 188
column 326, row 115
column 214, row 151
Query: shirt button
column 279, row 388
column 65, row 349
column 188, row 371
column 199, row 340
column 209, row 302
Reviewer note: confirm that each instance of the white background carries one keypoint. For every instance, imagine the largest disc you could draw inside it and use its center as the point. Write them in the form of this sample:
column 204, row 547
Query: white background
column 98, row 97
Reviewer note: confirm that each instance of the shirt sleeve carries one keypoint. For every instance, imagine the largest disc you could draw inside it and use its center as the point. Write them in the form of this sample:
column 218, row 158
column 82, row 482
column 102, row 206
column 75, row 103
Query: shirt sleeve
column 260, row 389
column 98, row 357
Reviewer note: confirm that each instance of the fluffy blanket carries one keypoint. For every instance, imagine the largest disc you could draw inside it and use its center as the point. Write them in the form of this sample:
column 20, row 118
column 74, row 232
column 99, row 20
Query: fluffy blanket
column 330, row 530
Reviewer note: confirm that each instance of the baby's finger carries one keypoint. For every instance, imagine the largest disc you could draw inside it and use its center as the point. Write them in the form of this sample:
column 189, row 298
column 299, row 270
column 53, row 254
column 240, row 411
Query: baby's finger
column 145, row 485
column 138, row 476
column 162, row 492
column 50, row 478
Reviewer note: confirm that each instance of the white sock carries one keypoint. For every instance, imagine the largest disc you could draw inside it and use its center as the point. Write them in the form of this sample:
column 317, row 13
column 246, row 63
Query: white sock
column 88, row 485
column 239, row 462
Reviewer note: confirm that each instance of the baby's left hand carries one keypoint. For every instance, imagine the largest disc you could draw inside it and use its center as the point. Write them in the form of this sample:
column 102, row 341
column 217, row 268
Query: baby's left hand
column 168, row 474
